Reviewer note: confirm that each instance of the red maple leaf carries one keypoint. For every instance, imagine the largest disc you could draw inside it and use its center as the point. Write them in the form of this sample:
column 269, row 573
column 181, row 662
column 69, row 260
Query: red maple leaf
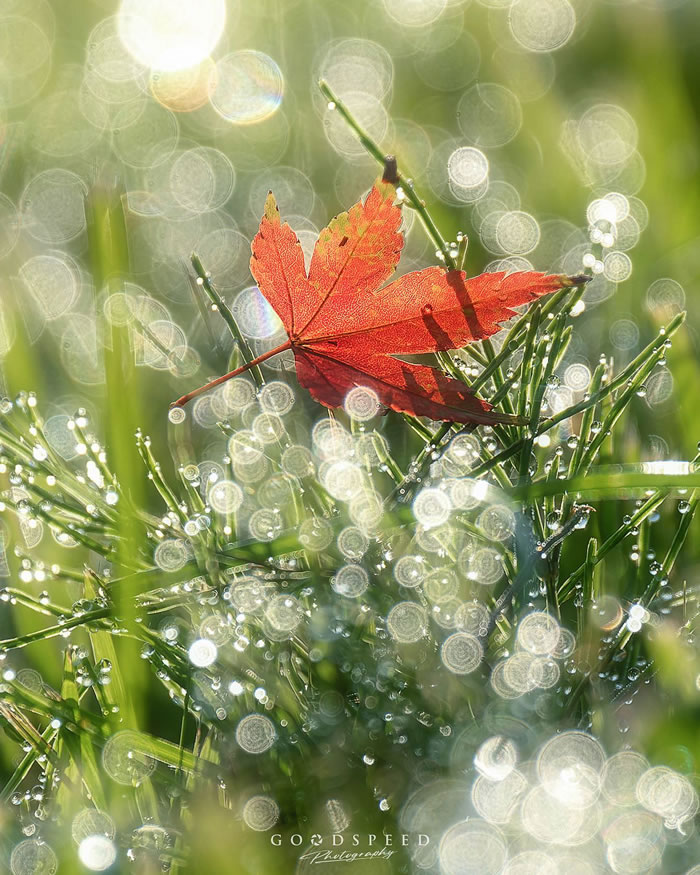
column 346, row 328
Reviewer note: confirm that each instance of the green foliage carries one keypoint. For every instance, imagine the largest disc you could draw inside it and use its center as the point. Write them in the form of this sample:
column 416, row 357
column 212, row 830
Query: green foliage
column 246, row 625
column 297, row 639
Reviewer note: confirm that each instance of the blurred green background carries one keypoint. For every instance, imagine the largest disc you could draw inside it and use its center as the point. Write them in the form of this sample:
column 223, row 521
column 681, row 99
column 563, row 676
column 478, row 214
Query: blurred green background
column 585, row 115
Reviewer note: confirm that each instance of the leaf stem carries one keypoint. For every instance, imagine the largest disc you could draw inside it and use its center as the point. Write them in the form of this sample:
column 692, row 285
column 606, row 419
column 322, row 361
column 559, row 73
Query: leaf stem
column 234, row 373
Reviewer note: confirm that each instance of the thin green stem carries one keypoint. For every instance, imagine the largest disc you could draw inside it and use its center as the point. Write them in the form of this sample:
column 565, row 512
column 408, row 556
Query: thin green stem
column 409, row 193
column 591, row 401
column 204, row 280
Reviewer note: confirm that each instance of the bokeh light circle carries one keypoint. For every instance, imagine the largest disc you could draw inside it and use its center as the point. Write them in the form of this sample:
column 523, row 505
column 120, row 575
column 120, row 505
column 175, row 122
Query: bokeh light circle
column 350, row 581
column 33, row 857
column 489, row 115
column 249, row 87
column 255, row 733
column 415, row 13
column 97, row 852
column 170, row 36
column 472, row 848
column 126, row 758
column 254, row 315
column 461, row 653
column 542, row 25
column 261, row 813
column 467, row 167
column 407, row 622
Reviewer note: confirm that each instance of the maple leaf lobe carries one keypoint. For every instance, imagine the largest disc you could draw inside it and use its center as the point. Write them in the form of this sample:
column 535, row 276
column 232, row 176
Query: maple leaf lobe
column 345, row 327
column 272, row 211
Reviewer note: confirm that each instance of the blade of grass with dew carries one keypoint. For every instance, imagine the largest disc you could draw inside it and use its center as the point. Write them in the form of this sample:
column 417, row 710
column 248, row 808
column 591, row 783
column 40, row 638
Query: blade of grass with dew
column 631, row 370
column 607, row 480
column 652, row 503
column 219, row 305
column 624, row 635
column 83, row 767
column 514, row 340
